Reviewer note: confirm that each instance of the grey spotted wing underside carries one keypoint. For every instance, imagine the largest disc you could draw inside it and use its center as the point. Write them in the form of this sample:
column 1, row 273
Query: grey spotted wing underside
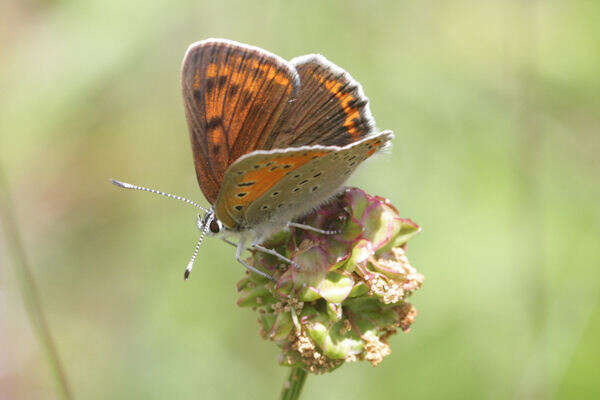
column 278, row 185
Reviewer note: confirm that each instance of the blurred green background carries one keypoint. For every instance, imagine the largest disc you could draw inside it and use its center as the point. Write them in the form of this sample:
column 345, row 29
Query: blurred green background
column 496, row 110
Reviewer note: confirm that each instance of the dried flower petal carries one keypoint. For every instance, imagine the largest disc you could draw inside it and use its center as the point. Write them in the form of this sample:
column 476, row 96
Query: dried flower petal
column 349, row 294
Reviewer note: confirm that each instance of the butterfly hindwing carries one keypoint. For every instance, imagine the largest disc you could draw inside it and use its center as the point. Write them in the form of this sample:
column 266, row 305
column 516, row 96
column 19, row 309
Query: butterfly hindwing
column 252, row 175
column 330, row 108
column 282, row 184
column 233, row 95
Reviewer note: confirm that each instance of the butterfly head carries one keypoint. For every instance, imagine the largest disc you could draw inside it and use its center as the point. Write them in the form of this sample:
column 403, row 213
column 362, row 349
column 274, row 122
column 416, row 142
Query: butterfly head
column 209, row 223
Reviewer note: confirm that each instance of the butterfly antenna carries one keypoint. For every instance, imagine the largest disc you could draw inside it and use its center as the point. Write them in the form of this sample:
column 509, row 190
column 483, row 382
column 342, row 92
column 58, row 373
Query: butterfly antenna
column 126, row 185
column 188, row 269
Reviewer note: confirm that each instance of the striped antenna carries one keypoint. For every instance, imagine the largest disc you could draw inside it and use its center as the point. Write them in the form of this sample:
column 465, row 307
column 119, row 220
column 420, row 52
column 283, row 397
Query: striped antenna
column 190, row 265
column 125, row 185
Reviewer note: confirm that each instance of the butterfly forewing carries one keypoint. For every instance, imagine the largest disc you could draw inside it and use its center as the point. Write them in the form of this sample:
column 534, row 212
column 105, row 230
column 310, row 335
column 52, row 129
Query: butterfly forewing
column 233, row 95
column 277, row 185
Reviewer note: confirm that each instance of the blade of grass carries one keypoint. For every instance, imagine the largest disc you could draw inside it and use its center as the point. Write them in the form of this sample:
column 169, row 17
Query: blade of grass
column 28, row 288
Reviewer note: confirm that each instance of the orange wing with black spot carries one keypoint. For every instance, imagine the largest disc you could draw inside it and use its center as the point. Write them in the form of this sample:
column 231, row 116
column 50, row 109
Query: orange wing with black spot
column 281, row 184
column 234, row 94
column 330, row 108
column 253, row 175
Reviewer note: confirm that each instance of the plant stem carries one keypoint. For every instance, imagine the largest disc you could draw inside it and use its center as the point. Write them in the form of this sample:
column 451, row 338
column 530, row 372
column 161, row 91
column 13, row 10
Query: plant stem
column 294, row 383
column 29, row 289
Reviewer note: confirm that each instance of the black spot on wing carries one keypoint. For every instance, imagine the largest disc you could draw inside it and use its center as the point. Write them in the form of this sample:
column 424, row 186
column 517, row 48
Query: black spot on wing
column 213, row 123
column 209, row 83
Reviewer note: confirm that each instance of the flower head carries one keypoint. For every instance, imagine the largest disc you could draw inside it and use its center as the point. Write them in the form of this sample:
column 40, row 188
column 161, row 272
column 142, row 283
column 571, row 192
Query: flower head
column 348, row 294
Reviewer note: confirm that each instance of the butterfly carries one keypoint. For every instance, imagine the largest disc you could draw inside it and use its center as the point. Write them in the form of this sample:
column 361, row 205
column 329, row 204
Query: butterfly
column 271, row 139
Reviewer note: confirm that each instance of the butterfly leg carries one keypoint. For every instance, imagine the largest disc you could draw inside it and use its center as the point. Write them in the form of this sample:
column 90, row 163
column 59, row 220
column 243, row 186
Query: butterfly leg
column 229, row 242
column 312, row 228
column 238, row 257
column 274, row 253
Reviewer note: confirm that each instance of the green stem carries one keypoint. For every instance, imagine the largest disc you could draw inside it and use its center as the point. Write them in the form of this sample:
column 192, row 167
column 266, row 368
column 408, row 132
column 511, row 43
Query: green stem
column 31, row 297
column 294, row 383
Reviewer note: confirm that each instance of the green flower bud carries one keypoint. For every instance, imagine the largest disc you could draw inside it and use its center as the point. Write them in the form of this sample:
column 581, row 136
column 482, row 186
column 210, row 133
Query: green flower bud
column 349, row 294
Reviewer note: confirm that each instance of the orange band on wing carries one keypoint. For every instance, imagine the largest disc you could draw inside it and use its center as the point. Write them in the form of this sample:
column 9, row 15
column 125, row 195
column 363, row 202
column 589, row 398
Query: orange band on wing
column 233, row 95
column 267, row 176
column 347, row 102
column 257, row 181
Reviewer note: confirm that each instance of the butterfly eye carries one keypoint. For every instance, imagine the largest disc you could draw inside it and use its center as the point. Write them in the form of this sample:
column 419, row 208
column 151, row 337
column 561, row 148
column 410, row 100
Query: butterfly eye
column 215, row 226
